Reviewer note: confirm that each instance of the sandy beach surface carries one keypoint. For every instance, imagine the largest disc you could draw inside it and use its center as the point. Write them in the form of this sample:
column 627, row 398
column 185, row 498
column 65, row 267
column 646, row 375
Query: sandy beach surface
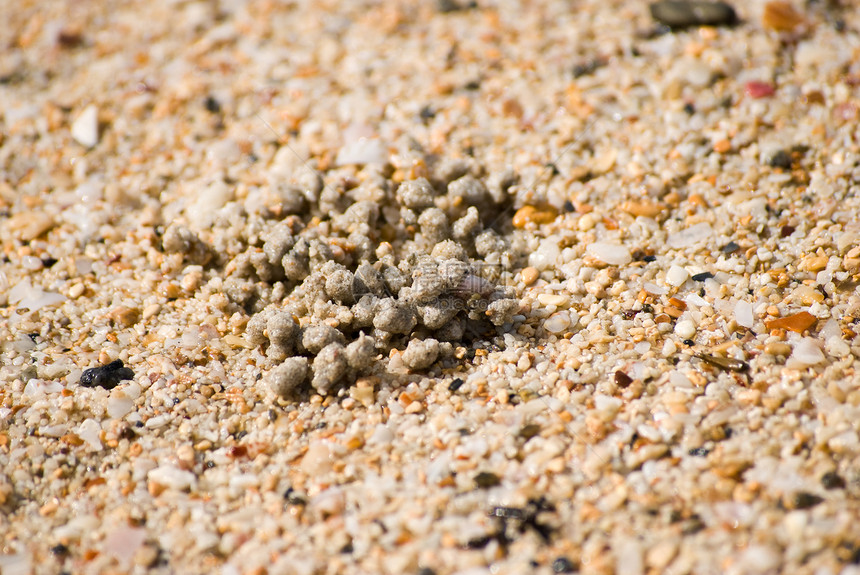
column 430, row 288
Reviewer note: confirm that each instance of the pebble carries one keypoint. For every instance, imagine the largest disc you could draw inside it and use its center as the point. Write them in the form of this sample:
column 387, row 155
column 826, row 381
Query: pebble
column 362, row 151
column 781, row 16
column 778, row 349
column 692, row 235
column 808, row 352
column 85, row 128
column 611, row 254
column 643, row 208
column 29, row 225
column 558, row 322
column 529, row 275
column 173, row 477
column 744, row 313
column 685, row 329
column 107, row 376
column 682, row 13
column 756, row 90
column 533, row 215
column 676, row 276
column 799, row 322
column 557, row 300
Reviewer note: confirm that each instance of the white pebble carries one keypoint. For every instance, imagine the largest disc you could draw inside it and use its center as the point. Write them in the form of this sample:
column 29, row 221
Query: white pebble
column 119, row 404
column 808, row 352
column 611, row 254
column 676, row 276
column 744, row 313
column 669, row 348
column 546, row 255
column 557, row 322
column 85, row 129
column 690, row 236
column 685, row 329
column 654, row 289
column 362, row 151
column 173, row 477
column 90, row 431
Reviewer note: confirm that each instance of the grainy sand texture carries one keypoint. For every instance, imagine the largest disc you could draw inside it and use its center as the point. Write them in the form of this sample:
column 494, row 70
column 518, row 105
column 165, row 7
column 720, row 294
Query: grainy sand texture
column 432, row 288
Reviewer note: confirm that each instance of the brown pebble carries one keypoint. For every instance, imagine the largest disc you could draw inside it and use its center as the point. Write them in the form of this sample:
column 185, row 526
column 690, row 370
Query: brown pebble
column 124, row 316
column 778, row 349
column 814, row 263
column 722, row 146
column 530, row 214
column 622, row 380
column 28, row 226
column 644, row 208
column 529, row 275
column 798, row 322
column 781, row 16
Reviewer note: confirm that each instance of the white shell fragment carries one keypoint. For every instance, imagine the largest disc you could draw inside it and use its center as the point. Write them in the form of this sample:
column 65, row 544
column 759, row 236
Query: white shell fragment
column 85, row 129
column 611, row 254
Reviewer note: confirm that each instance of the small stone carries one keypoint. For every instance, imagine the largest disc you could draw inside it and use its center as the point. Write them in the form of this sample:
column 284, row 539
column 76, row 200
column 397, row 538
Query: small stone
column 557, row 322
column 643, row 208
column 814, row 263
column 744, row 314
column 682, row 14
column 124, row 316
column 529, row 275
column 553, row 299
column 722, row 146
column 808, row 352
column 622, row 380
column 485, row 479
column 107, row 376
column 757, row 90
column 85, row 129
column 611, row 254
column 832, row 480
column 676, row 276
column 798, row 322
column 28, row 226
column 802, row 500
column 781, row 16
column 173, row 478
column 146, row 556
column 563, row 565
column 532, row 215
column 685, row 329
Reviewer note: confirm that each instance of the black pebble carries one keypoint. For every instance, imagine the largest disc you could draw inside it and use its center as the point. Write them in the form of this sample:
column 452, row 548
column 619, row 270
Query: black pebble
column 699, row 451
column 780, row 159
column 106, row 376
column 486, row 479
column 426, row 571
column 682, row 14
column 60, row 550
column 730, row 248
column 563, row 565
column 455, row 385
column 212, row 105
column 702, row 276
column 803, row 500
column 832, row 480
